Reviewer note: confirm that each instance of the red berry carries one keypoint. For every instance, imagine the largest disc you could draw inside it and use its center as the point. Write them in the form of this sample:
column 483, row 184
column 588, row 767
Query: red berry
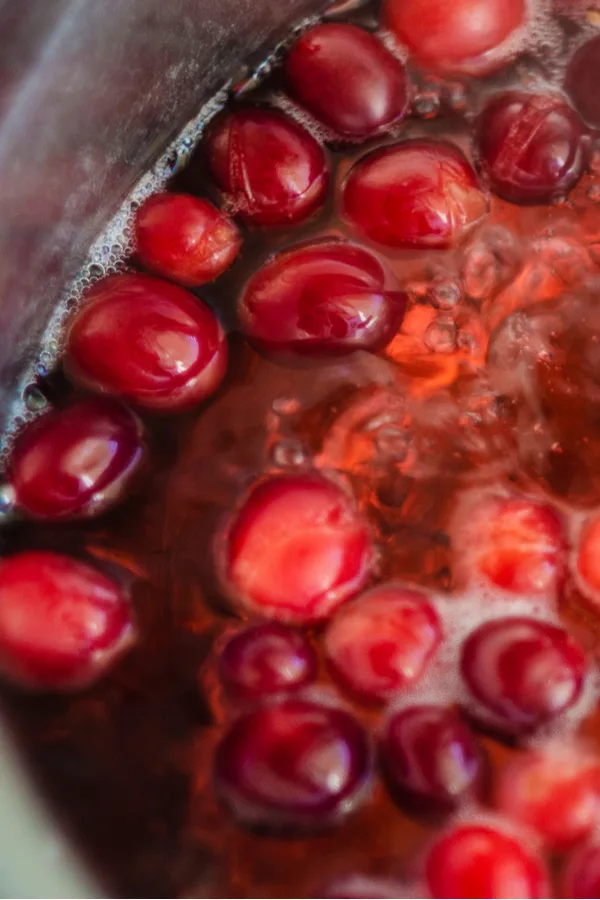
column 555, row 792
column 266, row 659
column 482, row 861
column 431, row 757
column 347, row 79
column 295, row 549
column 587, row 559
column 582, row 81
column 185, row 238
column 531, row 146
column 272, row 171
column 581, row 877
column 295, row 763
column 522, row 672
column 62, row 623
column 323, row 298
column 419, row 193
column 76, row 460
column 512, row 543
column 148, row 341
column 463, row 36
column 383, row 642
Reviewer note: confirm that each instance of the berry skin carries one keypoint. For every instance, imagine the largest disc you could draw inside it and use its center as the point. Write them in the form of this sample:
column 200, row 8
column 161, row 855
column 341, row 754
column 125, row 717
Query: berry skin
column 347, row 79
column 76, row 461
column 185, row 239
column 62, row 622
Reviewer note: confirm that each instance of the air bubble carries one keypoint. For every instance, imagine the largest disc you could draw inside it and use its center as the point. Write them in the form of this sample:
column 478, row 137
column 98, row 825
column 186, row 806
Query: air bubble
column 96, row 271
column 35, row 400
column 285, row 406
column 443, row 293
column 427, row 104
column 441, row 336
column 289, row 453
column 7, row 502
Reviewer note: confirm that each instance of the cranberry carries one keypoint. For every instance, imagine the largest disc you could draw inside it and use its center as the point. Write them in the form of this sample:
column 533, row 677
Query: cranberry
column 555, row 792
column 531, row 145
column 419, row 193
column 383, row 642
column 522, row 671
column 76, row 460
column 432, row 757
column 266, row 659
column 462, row 36
column 587, row 558
column 482, row 861
column 322, row 298
column 582, row 81
column 296, row 548
column 272, row 171
column 581, row 877
column 512, row 543
column 292, row 764
column 347, row 79
column 62, row 623
column 148, row 341
column 185, row 238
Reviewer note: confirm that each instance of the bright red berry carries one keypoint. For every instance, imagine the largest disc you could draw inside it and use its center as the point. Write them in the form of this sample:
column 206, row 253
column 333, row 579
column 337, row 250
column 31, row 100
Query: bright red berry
column 383, row 642
column 347, row 79
column 587, row 559
column 462, row 36
column 295, row 549
column 148, row 341
column 77, row 460
column 325, row 298
column 418, row 193
column 271, row 170
column 185, row 238
column 531, row 146
column 62, row 622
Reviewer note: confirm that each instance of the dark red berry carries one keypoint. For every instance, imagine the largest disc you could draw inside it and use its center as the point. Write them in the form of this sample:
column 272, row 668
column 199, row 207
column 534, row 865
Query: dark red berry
column 320, row 299
column 475, row 861
column 419, row 193
column 581, row 876
column 295, row 549
column 265, row 659
column 555, row 792
column 292, row 764
column 531, row 145
column 62, row 623
column 465, row 36
column 347, row 79
column 511, row 543
column 271, row 170
column 383, row 642
column 77, row 460
column 523, row 672
column 147, row 341
column 581, row 82
column 185, row 238
column 431, row 757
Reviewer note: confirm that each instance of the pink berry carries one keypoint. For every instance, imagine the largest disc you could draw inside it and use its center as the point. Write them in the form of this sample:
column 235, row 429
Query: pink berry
column 587, row 558
column 383, row 642
column 77, row 460
column 292, row 764
column 581, row 876
column 185, row 238
column 531, row 145
column 512, row 543
column 147, row 341
column 581, row 82
column 323, row 298
column 555, row 792
column 271, row 170
column 431, row 757
column 462, row 36
column 266, row 659
column 62, row 623
column 347, row 79
column 483, row 861
column 523, row 672
column 295, row 549
column 420, row 193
